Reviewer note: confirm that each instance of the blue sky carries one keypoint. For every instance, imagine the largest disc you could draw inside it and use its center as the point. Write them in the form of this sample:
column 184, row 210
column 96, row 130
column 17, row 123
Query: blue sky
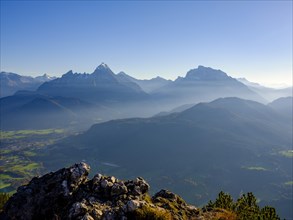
column 251, row 39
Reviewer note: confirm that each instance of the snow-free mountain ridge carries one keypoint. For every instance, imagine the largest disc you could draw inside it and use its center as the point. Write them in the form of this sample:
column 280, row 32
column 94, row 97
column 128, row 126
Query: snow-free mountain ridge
column 12, row 82
column 103, row 95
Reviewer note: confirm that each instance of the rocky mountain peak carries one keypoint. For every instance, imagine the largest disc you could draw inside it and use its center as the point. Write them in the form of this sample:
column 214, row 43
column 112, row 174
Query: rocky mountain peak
column 102, row 68
column 44, row 78
column 69, row 73
column 206, row 73
column 103, row 65
column 104, row 73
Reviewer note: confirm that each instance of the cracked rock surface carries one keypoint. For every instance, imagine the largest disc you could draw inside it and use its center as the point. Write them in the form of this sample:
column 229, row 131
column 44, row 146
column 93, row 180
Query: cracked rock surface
column 69, row 194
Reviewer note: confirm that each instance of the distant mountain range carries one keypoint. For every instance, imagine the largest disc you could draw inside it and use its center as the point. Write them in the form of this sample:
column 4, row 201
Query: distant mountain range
column 148, row 86
column 104, row 95
column 266, row 92
column 31, row 110
column 212, row 132
column 205, row 84
column 100, row 86
column 228, row 144
column 12, row 82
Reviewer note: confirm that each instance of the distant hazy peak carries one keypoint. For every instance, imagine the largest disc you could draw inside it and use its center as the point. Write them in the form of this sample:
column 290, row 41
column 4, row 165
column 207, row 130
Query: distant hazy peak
column 122, row 73
column 69, row 73
column 206, row 68
column 45, row 77
column 206, row 73
column 158, row 78
column 13, row 74
column 102, row 67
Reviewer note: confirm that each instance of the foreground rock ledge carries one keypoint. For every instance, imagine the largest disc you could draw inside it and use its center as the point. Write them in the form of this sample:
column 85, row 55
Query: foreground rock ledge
column 69, row 194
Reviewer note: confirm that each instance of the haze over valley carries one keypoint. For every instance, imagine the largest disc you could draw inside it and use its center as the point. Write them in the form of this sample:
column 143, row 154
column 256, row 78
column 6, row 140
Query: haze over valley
column 78, row 100
column 201, row 133
column 182, row 110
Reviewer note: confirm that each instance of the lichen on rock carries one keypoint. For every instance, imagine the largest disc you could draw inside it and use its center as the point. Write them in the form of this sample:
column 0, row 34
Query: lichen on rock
column 69, row 194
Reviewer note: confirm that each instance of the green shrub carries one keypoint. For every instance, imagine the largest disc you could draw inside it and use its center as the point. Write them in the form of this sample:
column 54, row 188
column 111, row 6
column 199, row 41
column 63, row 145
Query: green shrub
column 3, row 199
column 268, row 213
column 224, row 201
column 245, row 207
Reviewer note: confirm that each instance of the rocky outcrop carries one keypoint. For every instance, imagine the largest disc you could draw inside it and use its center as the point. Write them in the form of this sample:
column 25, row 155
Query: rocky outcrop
column 48, row 196
column 70, row 194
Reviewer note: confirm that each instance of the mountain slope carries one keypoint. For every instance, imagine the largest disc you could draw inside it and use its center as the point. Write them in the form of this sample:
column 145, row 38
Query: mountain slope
column 210, row 147
column 100, row 86
column 269, row 94
column 148, row 86
column 91, row 98
column 205, row 84
column 174, row 110
column 31, row 110
column 284, row 106
column 77, row 100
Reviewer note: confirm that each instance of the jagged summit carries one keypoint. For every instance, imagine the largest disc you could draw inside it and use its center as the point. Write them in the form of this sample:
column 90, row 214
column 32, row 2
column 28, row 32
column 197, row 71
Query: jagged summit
column 103, row 65
column 70, row 72
column 103, row 68
column 100, row 86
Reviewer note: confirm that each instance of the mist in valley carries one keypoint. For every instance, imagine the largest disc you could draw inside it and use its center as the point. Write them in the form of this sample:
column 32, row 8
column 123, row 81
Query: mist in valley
column 202, row 133
column 181, row 99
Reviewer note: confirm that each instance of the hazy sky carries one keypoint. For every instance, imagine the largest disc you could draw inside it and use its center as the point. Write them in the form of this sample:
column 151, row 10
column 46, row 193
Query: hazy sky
column 251, row 39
